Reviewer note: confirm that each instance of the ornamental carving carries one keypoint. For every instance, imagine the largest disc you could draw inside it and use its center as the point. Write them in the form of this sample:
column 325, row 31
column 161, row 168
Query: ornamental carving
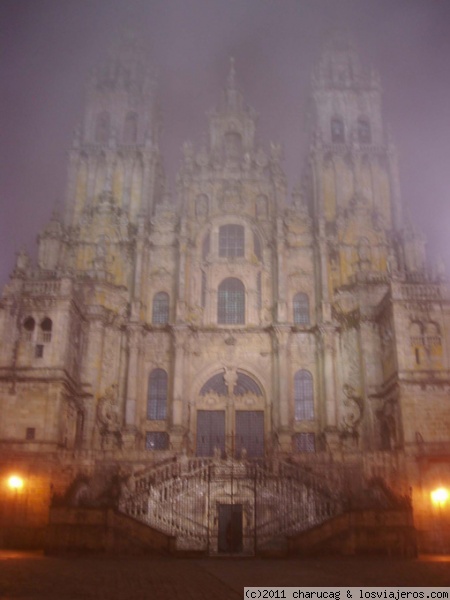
column 109, row 420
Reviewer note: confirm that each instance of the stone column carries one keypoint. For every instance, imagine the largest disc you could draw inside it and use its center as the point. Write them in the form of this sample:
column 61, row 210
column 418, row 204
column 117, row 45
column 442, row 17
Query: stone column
column 396, row 197
column 281, row 386
column 181, row 296
column 180, row 334
column 327, row 332
column 132, row 376
column 281, row 274
column 138, row 267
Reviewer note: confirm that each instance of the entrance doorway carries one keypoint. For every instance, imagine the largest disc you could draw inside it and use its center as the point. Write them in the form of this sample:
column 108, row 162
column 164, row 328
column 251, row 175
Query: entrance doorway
column 230, row 528
column 210, row 432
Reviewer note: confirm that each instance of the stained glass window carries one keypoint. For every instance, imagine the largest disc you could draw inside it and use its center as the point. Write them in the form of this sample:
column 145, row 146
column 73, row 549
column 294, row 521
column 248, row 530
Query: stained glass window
column 303, row 396
column 305, row 442
column 157, row 395
column 301, row 309
column 160, row 313
column 231, row 302
column 156, row 440
column 231, row 241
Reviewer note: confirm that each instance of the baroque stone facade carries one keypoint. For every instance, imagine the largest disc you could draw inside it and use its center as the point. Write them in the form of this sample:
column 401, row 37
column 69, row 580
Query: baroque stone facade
column 229, row 321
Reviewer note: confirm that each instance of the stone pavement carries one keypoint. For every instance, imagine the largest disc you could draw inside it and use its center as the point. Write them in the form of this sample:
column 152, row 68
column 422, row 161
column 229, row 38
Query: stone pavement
column 32, row 576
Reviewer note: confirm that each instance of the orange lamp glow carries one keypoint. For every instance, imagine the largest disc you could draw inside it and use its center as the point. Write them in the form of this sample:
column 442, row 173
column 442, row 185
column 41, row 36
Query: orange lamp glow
column 15, row 482
column 440, row 496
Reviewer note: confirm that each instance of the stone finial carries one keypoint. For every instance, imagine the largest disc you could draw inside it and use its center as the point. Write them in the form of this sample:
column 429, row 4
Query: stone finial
column 231, row 80
column 23, row 261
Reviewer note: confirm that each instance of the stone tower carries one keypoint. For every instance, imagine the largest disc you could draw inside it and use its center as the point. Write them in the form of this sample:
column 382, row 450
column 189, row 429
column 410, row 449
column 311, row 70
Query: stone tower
column 227, row 324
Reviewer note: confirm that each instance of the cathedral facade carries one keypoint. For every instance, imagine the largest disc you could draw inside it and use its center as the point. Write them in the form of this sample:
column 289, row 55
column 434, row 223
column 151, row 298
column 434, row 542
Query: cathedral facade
column 228, row 322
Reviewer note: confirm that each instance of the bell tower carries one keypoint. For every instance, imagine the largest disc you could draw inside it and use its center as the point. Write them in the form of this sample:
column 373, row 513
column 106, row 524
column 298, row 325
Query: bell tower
column 353, row 179
column 115, row 151
column 115, row 178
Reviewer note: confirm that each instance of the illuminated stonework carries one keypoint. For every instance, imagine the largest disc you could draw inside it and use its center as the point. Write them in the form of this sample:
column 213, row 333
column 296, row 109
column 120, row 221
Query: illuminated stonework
column 228, row 320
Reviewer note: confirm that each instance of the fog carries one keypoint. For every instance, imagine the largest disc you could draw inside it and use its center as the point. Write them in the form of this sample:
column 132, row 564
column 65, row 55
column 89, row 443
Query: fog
column 49, row 47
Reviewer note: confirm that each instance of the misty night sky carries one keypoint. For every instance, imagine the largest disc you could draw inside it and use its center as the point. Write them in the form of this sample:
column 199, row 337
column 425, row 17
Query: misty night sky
column 49, row 46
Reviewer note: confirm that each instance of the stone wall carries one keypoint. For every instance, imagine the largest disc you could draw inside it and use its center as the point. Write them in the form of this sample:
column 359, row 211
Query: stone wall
column 102, row 530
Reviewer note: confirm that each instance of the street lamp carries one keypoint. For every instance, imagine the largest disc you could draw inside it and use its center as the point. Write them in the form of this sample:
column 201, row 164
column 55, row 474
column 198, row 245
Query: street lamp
column 440, row 496
column 15, row 483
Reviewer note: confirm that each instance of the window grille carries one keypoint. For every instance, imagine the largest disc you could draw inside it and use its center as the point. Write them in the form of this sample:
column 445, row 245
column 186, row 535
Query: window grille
column 157, row 395
column 210, row 432
column 250, row 433
column 231, row 241
column 301, row 309
column 303, row 396
column 231, row 302
column 305, row 442
column 46, row 330
column 156, row 440
column 160, row 314
column 244, row 385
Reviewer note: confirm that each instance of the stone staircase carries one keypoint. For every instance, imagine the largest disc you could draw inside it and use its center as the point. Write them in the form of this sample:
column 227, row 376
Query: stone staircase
column 275, row 499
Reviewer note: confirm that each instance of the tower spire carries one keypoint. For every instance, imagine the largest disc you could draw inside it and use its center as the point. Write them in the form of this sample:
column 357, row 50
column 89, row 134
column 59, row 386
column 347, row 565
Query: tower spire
column 231, row 80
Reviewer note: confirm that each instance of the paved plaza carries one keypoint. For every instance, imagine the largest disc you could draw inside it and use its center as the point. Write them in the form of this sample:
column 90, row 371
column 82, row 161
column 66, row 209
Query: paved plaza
column 32, row 576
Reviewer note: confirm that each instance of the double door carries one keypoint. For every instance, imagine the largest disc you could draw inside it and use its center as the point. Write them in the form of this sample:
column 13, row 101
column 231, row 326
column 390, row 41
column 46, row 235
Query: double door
column 247, row 438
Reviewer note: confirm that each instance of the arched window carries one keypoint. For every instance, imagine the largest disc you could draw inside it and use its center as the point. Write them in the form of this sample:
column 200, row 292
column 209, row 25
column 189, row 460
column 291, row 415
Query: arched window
column 130, row 128
column 417, row 342
column 364, row 134
column 301, row 309
column 231, row 241
column 160, row 313
column 337, row 131
column 303, row 396
column 231, row 302
column 433, row 343
column 46, row 329
column 233, row 145
column 157, row 395
column 102, row 127
column 28, row 326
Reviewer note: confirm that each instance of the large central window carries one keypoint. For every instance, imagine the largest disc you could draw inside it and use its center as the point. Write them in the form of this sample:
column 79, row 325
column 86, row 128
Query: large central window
column 231, row 302
column 231, row 241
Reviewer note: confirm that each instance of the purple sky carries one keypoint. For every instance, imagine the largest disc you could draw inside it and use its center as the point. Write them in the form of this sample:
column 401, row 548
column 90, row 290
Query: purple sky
column 49, row 46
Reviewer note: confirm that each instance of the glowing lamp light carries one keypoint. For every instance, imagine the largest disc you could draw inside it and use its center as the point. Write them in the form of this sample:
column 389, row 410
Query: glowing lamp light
column 15, row 482
column 440, row 496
